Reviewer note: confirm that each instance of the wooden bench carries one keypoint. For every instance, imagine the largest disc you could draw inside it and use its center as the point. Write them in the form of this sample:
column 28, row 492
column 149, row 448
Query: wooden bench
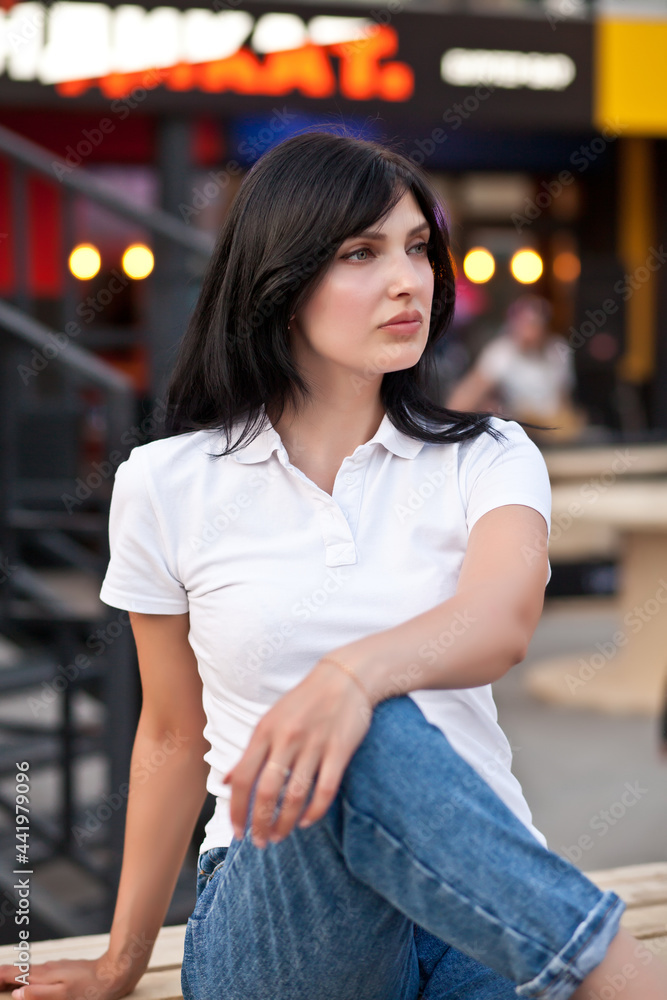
column 643, row 887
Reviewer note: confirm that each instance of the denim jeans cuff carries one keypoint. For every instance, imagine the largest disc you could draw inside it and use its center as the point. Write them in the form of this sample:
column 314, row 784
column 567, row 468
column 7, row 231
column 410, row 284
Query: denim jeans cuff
column 582, row 953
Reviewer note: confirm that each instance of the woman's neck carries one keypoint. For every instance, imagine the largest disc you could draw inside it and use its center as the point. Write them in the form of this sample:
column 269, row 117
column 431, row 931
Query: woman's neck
column 323, row 435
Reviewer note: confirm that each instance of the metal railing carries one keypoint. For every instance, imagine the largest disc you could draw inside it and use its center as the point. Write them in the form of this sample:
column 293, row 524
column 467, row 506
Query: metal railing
column 35, row 523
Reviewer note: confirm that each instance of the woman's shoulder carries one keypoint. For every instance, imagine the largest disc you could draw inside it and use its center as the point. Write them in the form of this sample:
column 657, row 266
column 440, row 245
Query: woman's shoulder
column 502, row 433
column 186, row 448
column 169, row 466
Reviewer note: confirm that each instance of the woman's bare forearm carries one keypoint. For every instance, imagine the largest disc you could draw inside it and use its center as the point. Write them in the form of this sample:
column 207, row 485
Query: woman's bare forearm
column 463, row 642
column 166, row 794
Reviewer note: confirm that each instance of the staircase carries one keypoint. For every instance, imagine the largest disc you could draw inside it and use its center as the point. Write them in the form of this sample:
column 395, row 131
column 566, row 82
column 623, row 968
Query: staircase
column 69, row 684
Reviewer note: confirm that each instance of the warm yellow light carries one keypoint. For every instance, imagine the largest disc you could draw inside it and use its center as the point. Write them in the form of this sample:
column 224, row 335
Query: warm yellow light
column 567, row 266
column 478, row 265
column 84, row 261
column 138, row 261
column 526, row 266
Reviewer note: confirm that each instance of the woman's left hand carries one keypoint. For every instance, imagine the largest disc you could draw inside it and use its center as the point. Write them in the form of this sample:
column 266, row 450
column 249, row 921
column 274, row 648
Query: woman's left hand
column 315, row 727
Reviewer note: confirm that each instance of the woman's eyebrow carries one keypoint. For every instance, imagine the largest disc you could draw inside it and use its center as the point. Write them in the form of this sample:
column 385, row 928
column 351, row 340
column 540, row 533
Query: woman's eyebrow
column 375, row 234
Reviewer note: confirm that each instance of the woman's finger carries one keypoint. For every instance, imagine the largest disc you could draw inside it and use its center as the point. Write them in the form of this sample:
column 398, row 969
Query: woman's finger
column 43, row 991
column 243, row 779
column 299, row 785
column 8, row 975
column 271, row 782
column 42, row 974
column 329, row 778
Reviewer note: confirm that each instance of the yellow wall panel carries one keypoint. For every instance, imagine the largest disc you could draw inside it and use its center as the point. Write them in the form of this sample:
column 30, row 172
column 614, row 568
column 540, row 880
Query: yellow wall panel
column 630, row 79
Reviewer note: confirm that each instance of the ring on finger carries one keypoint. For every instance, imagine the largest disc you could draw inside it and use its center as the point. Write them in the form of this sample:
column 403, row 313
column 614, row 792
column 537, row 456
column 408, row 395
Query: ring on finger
column 280, row 767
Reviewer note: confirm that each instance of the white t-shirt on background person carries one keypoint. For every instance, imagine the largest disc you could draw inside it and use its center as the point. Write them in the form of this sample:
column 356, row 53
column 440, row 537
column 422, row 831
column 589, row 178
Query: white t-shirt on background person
column 535, row 382
column 276, row 573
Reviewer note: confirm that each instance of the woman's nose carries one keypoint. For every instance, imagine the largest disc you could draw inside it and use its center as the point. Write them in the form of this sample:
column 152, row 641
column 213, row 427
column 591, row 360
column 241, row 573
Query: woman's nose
column 403, row 276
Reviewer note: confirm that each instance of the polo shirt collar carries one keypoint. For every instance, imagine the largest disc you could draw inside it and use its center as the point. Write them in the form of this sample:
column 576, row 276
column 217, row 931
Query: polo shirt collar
column 268, row 441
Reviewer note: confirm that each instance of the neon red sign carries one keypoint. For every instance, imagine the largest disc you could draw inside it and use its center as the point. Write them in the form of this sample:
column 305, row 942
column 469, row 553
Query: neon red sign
column 362, row 76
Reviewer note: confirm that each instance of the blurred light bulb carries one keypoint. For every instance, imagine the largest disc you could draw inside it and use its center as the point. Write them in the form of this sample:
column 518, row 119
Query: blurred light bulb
column 478, row 265
column 526, row 266
column 567, row 266
column 84, row 261
column 138, row 261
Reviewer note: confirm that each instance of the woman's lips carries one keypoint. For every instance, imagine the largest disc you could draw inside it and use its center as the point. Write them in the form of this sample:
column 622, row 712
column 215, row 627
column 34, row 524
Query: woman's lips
column 403, row 329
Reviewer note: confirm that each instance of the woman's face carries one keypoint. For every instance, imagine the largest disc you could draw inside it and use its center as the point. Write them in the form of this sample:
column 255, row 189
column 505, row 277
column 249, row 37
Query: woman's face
column 528, row 329
column 372, row 279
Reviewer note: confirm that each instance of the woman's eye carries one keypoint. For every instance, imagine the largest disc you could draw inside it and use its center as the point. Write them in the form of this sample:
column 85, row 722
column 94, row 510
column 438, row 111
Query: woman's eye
column 349, row 256
column 418, row 246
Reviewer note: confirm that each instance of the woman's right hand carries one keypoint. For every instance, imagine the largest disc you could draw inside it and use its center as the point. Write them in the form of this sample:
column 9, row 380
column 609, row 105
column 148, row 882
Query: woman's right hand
column 72, row 979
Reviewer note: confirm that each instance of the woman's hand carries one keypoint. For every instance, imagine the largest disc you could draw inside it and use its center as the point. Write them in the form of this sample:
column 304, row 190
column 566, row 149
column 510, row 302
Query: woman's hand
column 315, row 727
column 68, row 979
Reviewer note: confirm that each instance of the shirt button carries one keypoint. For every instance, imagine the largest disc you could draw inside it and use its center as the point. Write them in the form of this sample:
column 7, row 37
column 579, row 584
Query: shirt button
column 348, row 478
column 346, row 515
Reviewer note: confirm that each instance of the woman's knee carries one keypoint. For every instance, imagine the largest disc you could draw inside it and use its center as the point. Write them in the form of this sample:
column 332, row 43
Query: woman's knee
column 398, row 727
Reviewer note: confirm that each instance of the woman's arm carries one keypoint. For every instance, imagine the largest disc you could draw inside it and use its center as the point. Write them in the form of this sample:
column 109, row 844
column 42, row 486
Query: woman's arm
column 474, row 637
column 167, row 789
column 472, row 392
column 469, row 640
column 167, row 781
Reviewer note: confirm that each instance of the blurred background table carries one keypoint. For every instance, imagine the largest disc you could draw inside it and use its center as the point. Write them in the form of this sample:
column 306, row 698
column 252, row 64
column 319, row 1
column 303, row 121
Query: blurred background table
column 627, row 672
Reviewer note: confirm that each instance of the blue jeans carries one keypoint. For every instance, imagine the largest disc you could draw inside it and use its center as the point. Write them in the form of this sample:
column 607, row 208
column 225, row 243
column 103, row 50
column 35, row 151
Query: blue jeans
column 418, row 881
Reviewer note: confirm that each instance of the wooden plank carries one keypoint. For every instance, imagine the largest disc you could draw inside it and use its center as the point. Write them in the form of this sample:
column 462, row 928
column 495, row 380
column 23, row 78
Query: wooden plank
column 580, row 539
column 577, row 463
column 641, row 886
column 630, row 873
column 167, row 951
column 646, row 921
column 637, row 885
column 632, row 504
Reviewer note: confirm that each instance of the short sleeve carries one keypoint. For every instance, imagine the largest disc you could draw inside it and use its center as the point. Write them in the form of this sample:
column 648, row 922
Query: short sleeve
column 138, row 577
column 511, row 471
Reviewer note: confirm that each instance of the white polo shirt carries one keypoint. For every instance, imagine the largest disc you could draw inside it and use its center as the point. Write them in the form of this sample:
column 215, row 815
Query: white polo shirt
column 276, row 573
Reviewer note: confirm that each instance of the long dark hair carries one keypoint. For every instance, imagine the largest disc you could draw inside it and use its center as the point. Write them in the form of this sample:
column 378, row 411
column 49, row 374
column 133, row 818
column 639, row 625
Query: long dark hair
column 293, row 210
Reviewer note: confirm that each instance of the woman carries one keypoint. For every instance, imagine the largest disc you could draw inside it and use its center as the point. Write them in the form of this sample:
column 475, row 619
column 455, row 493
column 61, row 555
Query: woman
column 286, row 596
column 528, row 371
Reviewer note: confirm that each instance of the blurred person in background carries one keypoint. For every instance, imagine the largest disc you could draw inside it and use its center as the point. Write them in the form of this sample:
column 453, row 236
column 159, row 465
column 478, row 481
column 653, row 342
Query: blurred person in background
column 525, row 373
